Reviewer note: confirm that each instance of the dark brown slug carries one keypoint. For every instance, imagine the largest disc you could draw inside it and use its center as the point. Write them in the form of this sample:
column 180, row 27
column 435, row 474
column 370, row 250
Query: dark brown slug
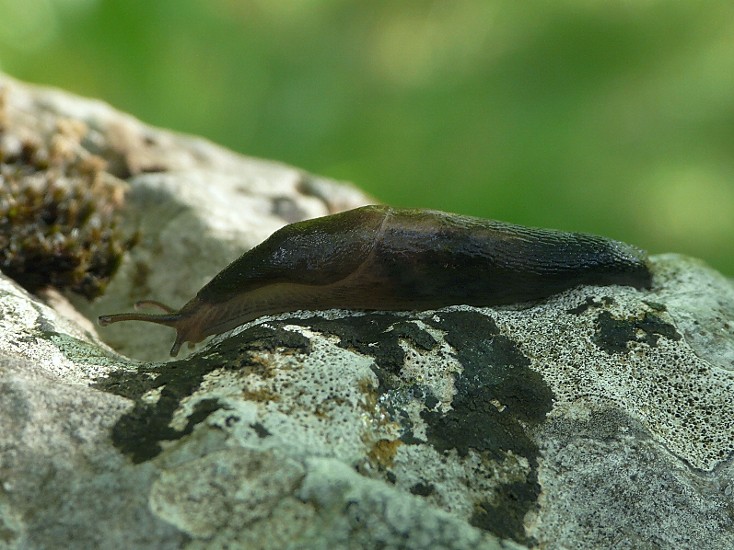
column 382, row 258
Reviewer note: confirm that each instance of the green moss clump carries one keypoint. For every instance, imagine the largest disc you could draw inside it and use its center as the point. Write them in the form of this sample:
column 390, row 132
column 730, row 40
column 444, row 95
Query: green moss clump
column 59, row 217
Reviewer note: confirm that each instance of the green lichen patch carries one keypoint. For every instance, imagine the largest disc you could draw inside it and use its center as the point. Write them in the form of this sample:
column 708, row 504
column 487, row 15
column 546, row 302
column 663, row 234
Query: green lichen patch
column 590, row 303
column 497, row 397
column 59, row 216
column 140, row 432
column 504, row 514
column 380, row 337
column 613, row 334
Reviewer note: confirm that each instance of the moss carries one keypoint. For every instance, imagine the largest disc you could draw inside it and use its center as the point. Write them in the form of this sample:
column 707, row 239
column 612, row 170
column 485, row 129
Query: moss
column 59, row 214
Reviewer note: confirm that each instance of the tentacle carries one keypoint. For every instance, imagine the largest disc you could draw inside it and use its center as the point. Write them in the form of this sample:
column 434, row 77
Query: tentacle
column 169, row 319
column 177, row 344
column 154, row 303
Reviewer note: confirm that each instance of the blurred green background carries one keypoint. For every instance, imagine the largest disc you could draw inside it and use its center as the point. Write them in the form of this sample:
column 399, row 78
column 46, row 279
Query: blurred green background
column 612, row 117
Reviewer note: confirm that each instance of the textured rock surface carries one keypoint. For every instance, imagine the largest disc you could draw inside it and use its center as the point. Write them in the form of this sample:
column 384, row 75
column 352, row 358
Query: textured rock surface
column 598, row 418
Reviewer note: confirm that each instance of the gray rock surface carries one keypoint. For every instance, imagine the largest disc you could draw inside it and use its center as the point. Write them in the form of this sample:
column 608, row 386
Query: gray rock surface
column 599, row 418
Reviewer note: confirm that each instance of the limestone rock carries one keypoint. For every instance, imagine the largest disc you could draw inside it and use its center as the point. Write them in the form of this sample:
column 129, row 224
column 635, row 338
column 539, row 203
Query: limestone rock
column 600, row 417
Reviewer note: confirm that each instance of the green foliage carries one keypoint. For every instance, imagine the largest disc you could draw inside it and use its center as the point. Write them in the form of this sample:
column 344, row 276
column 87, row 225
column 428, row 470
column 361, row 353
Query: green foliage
column 607, row 117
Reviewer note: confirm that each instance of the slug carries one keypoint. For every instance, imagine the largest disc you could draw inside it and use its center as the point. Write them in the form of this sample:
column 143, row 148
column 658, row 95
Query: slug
column 382, row 258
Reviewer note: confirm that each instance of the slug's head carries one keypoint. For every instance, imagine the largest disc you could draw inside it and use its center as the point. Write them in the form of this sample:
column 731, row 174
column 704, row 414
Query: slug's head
column 188, row 325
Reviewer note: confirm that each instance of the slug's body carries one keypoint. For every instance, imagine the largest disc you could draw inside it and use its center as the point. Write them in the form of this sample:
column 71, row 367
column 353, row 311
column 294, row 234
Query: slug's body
column 377, row 257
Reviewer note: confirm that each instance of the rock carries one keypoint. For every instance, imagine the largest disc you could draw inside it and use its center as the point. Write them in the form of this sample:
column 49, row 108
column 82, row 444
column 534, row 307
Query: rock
column 600, row 417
